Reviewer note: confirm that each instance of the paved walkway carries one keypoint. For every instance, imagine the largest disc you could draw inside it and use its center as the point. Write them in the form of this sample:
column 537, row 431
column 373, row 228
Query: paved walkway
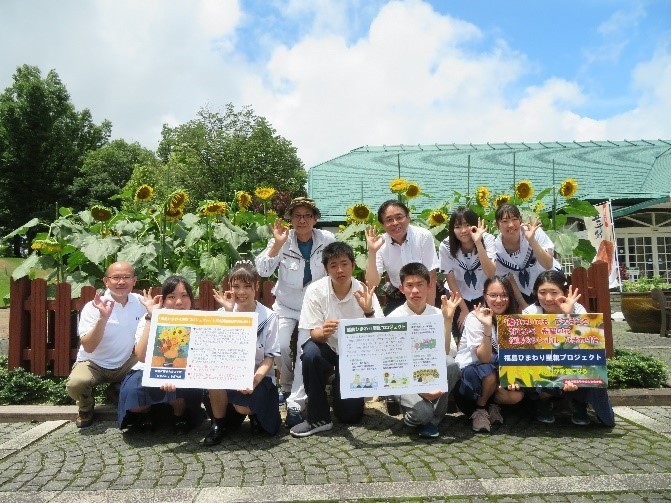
column 380, row 459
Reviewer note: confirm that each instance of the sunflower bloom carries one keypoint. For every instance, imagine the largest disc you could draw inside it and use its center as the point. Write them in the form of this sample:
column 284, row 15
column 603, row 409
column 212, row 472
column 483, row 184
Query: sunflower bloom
column 539, row 207
column 437, row 218
column 568, row 188
column 213, row 208
column 177, row 200
column 101, row 213
column 243, row 199
column 359, row 213
column 264, row 193
column 48, row 245
column 502, row 199
column 144, row 193
column 482, row 196
column 412, row 191
column 174, row 214
column 398, row 185
column 524, row 190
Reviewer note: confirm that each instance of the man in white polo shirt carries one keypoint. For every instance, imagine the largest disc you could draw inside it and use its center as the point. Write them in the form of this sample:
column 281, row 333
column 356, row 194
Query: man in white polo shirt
column 401, row 244
column 107, row 327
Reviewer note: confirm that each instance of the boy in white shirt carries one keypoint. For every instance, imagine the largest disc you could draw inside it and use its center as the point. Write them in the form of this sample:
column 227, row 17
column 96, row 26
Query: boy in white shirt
column 328, row 300
column 425, row 411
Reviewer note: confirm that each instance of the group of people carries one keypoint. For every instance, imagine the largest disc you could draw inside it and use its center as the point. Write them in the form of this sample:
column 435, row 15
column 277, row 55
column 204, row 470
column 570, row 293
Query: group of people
column 486, row 277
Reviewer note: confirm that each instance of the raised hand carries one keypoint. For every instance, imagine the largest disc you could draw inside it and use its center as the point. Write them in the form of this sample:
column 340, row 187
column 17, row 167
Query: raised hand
column 448, row 305
column 365, row 297
column 280, row 232
column 566, row 303
column 373, row 240
column 150, row 303
column 529, row 229
column 479, row 230
column 484, row 315
column 329, row 328
column 224, row 299
column 104, row 306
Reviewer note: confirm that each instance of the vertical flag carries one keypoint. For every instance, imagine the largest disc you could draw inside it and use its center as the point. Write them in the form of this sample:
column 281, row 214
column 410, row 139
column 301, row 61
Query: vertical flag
column 601, row 233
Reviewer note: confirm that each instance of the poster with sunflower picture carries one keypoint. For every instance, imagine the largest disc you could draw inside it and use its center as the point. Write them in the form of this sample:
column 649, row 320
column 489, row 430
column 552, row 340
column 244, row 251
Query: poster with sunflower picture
column 201, row 349
column 546, row 350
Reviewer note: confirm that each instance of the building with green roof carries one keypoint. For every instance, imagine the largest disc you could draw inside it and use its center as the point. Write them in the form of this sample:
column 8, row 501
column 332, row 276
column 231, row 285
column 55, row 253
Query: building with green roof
column 634, row 175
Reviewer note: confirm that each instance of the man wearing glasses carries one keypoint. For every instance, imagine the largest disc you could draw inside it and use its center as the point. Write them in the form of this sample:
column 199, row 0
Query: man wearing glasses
column 296, row 254
column 106, row 330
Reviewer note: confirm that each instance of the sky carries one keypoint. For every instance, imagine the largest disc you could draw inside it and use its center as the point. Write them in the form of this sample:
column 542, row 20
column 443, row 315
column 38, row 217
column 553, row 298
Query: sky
column 333, row 75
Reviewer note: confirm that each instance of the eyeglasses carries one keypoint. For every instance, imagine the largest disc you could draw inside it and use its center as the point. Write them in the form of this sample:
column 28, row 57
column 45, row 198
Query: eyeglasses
column 302, row 216
column 502, row 296
column 397, row 219
column 116, row 279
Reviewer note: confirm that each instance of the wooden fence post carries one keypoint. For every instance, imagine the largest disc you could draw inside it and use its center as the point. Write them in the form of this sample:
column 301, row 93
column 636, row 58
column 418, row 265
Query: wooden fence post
column 598, row 280
column 38, row 327
column 19, row 321
column 63, row 329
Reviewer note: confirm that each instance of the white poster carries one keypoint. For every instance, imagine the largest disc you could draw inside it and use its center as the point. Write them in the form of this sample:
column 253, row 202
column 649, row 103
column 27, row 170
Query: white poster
column 391, row 356
column 201, row 349
column 601, row 233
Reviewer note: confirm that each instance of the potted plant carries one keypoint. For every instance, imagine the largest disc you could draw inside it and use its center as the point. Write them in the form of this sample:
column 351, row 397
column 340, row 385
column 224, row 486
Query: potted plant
column 640, row 310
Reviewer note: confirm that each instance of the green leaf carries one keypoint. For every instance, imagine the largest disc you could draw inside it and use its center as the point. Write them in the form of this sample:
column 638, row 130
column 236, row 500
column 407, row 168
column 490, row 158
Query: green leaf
column 194, row 235
column 214, row 267
column 361, row 261
column 78, row 280
column 65, row 212
column 576, row 207
column 139, row 254
column 585, row 250
column 26, row 267
column 22, row 230
column 97, row 249
column 232, row 234
column 565, row 241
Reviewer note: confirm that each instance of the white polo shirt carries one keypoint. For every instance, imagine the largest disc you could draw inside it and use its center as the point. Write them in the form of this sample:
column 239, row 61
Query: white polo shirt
column 537, row 309
column 467, row 268
column 118, row 340
column 404, row 310
column 320, row 304
column 417, row 247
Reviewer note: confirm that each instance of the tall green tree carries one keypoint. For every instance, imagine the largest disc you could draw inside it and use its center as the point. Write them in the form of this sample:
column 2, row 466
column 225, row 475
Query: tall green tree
column 219, row 153
column 106, row 171
column 43, row 141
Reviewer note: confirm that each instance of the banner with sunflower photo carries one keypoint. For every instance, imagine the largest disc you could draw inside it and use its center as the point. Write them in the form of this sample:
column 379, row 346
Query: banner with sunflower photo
column 547, row 350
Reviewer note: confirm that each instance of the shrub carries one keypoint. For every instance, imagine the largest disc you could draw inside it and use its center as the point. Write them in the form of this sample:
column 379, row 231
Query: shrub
column 632, row 369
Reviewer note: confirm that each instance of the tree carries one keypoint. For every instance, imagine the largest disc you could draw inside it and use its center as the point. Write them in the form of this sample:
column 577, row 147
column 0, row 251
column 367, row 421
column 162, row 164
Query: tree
column 106, row 171
column 217, row 154
column 43, row 140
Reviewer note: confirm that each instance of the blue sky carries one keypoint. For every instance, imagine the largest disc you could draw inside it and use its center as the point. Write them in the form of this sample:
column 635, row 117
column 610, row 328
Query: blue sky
column 332, row 75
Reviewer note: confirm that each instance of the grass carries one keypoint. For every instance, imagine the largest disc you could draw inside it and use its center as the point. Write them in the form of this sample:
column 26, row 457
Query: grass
column 7, row 266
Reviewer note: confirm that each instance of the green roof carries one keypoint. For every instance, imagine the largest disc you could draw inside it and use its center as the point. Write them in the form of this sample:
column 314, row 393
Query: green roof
column 628, row 172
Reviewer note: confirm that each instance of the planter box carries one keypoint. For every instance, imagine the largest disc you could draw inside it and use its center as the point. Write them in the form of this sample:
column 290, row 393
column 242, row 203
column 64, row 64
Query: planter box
column 641, row 312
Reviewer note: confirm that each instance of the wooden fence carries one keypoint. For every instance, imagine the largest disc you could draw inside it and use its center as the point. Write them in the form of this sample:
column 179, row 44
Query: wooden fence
column 43, row 332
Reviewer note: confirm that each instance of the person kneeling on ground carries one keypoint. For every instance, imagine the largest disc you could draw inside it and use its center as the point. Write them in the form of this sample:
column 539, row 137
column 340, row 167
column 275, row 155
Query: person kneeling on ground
column 555, row 296
column 261, row 403
column 478, row 393
column 335, row 297
column 136, row 401
column 425, row 411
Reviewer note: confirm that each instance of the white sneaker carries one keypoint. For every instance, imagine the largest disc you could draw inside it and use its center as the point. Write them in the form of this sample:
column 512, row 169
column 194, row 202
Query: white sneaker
column 305, row 429
column 495, row 416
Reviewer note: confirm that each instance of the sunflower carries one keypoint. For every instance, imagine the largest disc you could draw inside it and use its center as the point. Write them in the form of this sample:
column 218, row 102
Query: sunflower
column 359, row 213
column 412, row 191
column 213, row 208
column 568, row 188
column 437, row 218
column 101, row 213
column 398, row 185
column 174, row 214
column 539, row 207
column 177, row 200
column 502, row 199
column 264, row 193
column 524, row 190
column 482, row 196
column 48, row 245
column 144, row 193
column 243, row 199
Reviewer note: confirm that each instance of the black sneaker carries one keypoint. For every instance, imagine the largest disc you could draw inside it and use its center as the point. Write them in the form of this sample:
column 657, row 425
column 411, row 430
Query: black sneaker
column 294, row 417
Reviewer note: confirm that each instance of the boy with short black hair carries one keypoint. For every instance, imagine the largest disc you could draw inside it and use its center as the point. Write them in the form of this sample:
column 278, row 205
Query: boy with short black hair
column 425, row 411
column 330, row 299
